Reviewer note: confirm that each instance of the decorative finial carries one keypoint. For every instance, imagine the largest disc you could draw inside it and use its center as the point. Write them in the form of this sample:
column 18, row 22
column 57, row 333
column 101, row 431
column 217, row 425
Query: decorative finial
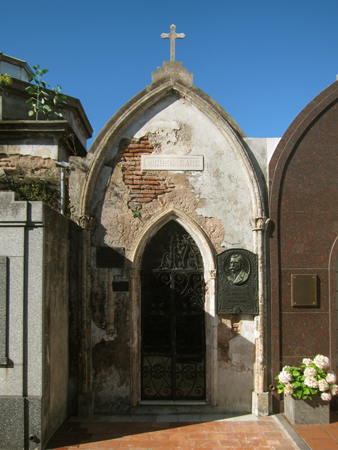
column 172, row 36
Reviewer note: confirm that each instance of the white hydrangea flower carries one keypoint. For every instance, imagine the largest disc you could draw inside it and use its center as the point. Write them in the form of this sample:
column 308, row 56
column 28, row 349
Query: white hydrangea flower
column 288, row 390
column 310, row 372
column 307, row 361
column 284, row 377
column 311, row 383
column 334, row 389
column 322, row 362
column 323, row 385
column 331, row 377
column 326, row 396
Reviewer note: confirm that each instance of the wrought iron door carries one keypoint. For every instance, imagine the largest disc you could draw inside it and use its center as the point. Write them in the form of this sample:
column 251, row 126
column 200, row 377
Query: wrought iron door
column 173, row 325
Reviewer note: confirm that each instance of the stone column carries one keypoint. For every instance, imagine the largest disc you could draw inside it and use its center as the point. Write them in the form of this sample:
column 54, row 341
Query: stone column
column 213, row 339
column 86, row 399
column 261, row 398
column 135, row 289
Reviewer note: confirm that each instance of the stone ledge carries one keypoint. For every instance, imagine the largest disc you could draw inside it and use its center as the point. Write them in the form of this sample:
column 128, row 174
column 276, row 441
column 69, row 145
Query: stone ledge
column 173, row 70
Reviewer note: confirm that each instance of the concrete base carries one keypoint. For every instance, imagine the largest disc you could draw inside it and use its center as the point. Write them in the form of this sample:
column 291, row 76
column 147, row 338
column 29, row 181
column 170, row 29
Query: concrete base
column 261, row 403
column 307, row 412
column 20, row 420
column 86, row 405
column 12, row 434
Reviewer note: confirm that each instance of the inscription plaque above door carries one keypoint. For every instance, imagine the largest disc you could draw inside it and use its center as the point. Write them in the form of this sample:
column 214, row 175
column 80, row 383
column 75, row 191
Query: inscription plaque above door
column 171, row 162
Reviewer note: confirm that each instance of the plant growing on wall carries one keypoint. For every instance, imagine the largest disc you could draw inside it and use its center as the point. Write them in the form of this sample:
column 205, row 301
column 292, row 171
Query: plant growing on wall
column 33, row 190
column 5, row 80
column 136, row 213
column 43, row 100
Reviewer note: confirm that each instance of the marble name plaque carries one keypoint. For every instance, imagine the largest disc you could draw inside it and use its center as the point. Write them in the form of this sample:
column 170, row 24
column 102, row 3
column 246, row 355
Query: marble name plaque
column 237, row 282
column 171, row 162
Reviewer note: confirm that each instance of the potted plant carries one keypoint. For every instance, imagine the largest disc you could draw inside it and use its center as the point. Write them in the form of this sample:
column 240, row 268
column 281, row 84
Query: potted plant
column 308, row 390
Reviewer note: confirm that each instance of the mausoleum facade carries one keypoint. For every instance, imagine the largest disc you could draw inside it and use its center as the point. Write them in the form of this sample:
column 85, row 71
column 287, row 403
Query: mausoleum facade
column 172, row 159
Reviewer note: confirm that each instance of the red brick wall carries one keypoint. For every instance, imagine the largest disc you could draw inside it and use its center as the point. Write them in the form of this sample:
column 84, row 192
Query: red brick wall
column 143, row 186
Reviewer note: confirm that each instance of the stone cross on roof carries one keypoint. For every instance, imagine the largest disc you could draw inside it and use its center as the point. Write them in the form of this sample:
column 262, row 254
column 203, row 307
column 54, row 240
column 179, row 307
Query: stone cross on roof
column 172, row 36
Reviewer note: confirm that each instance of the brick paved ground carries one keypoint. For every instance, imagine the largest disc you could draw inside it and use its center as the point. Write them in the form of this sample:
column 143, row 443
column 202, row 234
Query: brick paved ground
column 320, row 436
column 260, row 433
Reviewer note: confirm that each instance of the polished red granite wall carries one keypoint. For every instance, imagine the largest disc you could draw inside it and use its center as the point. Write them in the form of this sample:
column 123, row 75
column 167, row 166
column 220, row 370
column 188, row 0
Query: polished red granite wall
column 304, row 211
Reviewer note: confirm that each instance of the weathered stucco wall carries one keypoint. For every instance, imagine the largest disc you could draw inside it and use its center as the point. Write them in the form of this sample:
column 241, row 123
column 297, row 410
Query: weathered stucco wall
column 219, row 200
column 56, row 275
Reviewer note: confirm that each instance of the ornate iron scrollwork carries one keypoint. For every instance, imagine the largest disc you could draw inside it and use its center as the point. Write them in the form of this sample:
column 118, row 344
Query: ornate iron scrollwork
column 173, row 326
column 183, row 253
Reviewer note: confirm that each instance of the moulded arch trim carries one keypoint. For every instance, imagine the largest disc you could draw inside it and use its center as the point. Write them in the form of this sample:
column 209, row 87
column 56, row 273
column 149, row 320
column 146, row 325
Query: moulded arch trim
column 205, row 248
column 188, row 224
column 332, row 274
column 293, row 135
column 142, row 102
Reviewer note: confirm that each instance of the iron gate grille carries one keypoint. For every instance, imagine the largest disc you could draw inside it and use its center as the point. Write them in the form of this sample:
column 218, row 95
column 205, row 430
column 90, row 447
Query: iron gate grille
column 173, row 325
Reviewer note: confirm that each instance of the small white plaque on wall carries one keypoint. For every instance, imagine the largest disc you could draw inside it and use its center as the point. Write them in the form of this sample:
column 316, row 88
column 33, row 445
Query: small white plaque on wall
column 171, row 162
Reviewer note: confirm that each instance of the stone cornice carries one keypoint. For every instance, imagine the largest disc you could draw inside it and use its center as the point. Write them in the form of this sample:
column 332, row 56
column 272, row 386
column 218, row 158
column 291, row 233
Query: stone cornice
column 21, row 129
column 18, row 88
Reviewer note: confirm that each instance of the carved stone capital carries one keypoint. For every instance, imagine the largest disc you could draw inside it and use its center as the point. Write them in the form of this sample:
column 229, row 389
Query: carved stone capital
column 87, row 222
column 213, row 273
column 259, row 223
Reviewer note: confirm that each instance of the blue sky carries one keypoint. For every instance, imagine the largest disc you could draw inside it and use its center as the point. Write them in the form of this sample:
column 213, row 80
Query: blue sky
column 262, row 60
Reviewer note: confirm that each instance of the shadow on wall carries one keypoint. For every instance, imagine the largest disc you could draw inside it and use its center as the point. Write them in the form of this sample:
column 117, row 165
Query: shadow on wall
column 173, row 361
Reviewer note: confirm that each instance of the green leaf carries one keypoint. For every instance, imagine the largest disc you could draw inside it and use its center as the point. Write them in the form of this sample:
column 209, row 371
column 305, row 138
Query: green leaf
column 30, row 113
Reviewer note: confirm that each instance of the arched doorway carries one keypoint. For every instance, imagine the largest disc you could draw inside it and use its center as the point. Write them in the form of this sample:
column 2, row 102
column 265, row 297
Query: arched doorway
column 172, row 317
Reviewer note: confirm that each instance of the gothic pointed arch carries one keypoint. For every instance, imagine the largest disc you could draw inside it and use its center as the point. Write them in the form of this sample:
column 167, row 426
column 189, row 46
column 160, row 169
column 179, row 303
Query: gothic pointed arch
column 186, row 222
column 139, row 106
column 207, row 266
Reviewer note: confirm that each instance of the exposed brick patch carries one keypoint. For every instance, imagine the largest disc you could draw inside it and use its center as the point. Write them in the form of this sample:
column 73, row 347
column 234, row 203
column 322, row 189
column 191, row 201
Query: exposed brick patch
column 143, row 186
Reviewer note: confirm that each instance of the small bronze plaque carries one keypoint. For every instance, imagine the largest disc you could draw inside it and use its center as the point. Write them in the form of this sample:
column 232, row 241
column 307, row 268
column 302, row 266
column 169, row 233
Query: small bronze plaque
column 120, row 286
column 107, row 257
column 304, row 290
